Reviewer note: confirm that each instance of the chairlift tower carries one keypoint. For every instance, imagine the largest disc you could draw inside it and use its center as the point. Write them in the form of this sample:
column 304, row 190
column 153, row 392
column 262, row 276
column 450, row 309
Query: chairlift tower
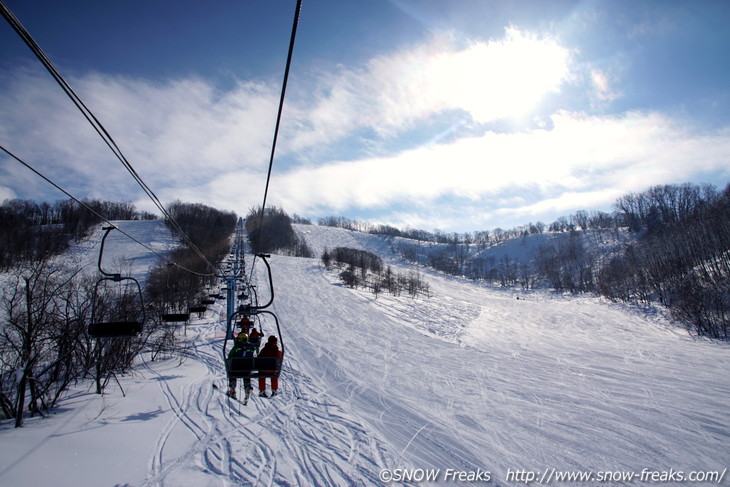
column 231, row 278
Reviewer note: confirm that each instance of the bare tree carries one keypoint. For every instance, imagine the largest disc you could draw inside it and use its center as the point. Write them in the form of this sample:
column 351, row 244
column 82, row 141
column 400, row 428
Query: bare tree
column 32, row 321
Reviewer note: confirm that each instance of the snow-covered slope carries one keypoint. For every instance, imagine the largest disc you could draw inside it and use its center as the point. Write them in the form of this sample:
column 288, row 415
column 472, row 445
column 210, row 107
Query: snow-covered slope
column 473, row 379
column 121, row 253
column 319, row 238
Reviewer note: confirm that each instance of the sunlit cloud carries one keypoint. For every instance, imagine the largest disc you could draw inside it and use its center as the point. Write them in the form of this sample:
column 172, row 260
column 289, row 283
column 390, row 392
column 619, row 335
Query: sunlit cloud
column 506, row 78
column 488, row 80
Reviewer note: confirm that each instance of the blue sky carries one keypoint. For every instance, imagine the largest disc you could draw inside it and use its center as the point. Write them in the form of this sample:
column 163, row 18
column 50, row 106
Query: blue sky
column 459, row 116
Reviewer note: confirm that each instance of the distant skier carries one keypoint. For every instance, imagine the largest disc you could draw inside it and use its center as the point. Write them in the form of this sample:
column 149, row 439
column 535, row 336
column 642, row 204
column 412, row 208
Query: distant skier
column 241, row 348
column 271, row 349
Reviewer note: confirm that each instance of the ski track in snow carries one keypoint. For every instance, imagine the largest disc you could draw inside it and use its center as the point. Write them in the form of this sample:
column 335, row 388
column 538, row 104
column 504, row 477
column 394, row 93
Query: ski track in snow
column 301, row 437
column 472, row 378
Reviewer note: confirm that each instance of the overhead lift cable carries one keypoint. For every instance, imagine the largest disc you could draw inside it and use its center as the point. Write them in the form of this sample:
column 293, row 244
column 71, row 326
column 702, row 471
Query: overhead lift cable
column 91, row 118
column 290, row 53
column 281, row 99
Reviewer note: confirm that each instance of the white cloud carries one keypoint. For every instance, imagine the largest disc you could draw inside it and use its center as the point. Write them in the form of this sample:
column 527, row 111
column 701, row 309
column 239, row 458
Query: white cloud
column 602, row 86
column 582, row 161
column 191, row 141
column 178, row 134
column 6, row 193
column 186, row 126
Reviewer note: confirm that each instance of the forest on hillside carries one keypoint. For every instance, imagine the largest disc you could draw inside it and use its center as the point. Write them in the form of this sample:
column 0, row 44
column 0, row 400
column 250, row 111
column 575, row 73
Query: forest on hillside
column 29, row 229
column 361, row 268
column 271, row 231
column 47, row 308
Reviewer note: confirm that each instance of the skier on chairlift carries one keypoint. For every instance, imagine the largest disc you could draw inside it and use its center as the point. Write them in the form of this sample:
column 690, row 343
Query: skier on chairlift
column 245, row 324
column 271, row 349
column 241, row 348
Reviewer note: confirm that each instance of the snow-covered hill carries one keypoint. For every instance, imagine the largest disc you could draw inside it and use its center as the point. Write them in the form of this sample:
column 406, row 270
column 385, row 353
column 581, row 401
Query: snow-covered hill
column 131, row 253
column 492, row 384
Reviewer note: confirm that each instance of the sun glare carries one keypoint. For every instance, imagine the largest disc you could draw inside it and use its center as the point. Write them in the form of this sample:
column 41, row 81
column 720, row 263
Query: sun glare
column 502, row 79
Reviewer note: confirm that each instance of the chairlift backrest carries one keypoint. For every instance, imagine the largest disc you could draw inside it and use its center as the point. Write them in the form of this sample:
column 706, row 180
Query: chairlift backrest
column 175, row 317
column 253, row 367
column 115, row 327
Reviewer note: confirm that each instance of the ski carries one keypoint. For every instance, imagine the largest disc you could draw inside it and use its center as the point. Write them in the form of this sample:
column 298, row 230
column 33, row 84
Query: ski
column 242, row 402
column 246, row 397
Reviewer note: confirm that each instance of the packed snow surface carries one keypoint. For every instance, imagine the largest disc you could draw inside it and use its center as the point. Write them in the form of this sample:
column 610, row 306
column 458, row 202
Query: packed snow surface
column 486, row 383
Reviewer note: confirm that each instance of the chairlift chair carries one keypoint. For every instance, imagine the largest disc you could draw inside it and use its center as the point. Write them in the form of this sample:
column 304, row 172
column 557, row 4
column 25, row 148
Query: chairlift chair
column 118, row 327
column 240, row 367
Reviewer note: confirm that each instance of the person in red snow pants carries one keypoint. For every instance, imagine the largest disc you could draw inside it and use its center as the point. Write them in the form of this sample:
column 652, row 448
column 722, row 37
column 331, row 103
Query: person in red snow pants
column 271, row 349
